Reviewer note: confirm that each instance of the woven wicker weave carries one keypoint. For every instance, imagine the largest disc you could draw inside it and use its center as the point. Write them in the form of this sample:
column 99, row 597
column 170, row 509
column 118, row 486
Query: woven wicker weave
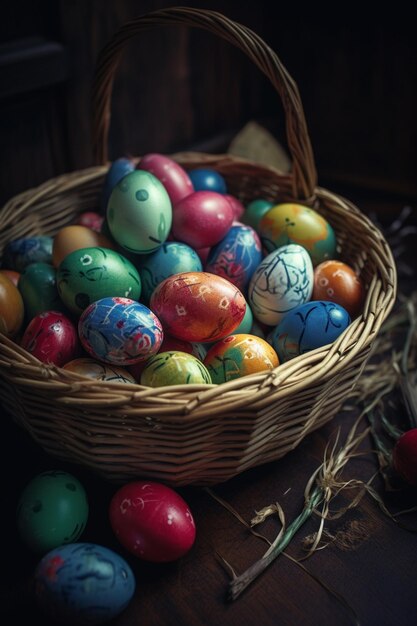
column 195, row 434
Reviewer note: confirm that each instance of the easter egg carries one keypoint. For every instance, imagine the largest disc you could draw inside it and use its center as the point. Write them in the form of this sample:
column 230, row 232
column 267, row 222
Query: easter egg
column 237, row 206
column 99, row 371
column 89, row 274
column 91, row 219
column 11, row 307
column 174, row 368
column 254, row 212
column 14, row 276
column 170, row 344
column 246, row 324
column 198, row 306
column 19, row 253
column 404, row 456
column 173, row 177
column 202, row 219
column 338, row 282
column 309, row 326
column 38, row 288
column 117, row 170
column 139, row 212
column 171, row 258
column 295, row 223
column 52, row 338
column 152, row 521
column 119, row 331
column 52, row 510
column 207, row 179
column 282, row 281
column 236, row 256
column 239, row 355
column 75, row 237
column 83, row 583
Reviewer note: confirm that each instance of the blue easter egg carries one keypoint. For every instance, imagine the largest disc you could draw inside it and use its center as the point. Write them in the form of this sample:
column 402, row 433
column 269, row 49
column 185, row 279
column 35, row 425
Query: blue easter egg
column 19, row 253
column 307, row 327
column 119, row 331
column 117, row 170
column 205, row 179
column 171, row 258
column 83, row 583
column 236, row 256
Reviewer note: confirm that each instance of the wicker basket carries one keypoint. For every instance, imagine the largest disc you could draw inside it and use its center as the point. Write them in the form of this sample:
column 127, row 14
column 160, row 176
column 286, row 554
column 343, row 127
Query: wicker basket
column 195, row 434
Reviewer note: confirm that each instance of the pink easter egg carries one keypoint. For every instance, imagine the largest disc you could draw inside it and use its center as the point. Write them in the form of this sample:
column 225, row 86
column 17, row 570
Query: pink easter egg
column 202, row 219
column 173, row 177
column 91, row 219
column 237, row 206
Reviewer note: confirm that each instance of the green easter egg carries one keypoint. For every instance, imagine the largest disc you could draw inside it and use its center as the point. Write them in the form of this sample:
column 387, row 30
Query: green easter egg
column 254, row 211
column 37, row 285
column 90, row 274
column 174, row 368
column 139, row 212
column 52, row 510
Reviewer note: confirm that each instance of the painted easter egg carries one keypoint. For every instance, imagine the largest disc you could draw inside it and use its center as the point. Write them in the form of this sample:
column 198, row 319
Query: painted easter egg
column 198, row 306
column 75, row 237
column 202, row 219
column 295, row 223
column 174, row 368
column 89, row 274
column 236, row 256
column 171, row 258
column 117, row 170
column 99, row 371
column 52, row 510
column 152, row 521
column 338, row 282
column 12, row 309
column 19, row 253
column 239, row 355
column 309, row 326
column 139, row 212
column 119, row 331
column 91, row 219
column 173, row 177
column 52, row 338
column 207, row 179
column 38, row 288
column 83, row 583
column 282, row 281
column 254, row 212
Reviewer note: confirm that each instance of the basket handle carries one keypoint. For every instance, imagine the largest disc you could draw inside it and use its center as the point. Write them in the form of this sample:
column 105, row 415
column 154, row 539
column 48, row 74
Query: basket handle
column 304, row 176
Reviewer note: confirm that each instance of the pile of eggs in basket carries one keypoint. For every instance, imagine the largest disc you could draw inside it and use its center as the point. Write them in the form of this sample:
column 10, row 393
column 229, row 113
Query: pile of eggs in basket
column 175, row 282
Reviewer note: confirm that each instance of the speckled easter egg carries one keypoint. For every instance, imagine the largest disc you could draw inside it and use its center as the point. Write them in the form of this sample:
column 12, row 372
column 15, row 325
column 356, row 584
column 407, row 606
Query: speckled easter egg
column 338, row 282
column 99, row 371
column 236, row 256
column 282, row 281
column 295, row 223
column 37, row 286
column 139, row 212
column 171, row 258
column 198, row 306
column 239, row 355
column 19, row 253
column 119, row 331
column 174, row 368
column 52, row 338
column 207, row 179
column 173, row 177
column 309, row 326
column 89, row 274
column 74, row 237
column 11, row 307
column 83, row 583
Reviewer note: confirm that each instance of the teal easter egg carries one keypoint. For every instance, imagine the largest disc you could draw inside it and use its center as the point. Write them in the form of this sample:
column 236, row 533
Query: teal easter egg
column 90, row 274
column 174, row 368
column 52, row 510
column 254, row 212
column 295, row 223
column 139, row 212
column 38, row 288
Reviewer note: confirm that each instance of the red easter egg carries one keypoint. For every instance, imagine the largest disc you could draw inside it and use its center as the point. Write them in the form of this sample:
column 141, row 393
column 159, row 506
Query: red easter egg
column 198, row 306
column 152, row 521
column 404, row 456
column 202, row 219
column 336, row 281
column 91, row 219
column 203, row 254
column 11, row 307
column 52, row 338
column 173, row 177
column 237, row 206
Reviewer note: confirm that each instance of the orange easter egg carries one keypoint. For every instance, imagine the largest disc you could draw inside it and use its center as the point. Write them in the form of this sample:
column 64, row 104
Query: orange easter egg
column 11, row 307
column 338, row 282
column 75, row 237
column 14, row 276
